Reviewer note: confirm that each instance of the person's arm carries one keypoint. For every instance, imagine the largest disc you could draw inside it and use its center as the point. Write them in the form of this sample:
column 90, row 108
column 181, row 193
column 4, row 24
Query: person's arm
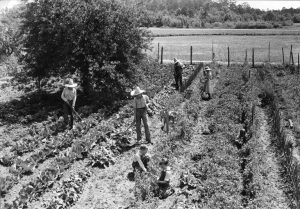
column 134, row 109
column 147, row 99
column 63, row 96
column 134, row 119
column 137, row 158
column 75, row 97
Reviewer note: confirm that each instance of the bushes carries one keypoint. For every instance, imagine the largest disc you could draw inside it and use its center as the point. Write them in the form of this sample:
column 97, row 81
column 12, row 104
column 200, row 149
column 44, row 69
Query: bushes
column 253, row 25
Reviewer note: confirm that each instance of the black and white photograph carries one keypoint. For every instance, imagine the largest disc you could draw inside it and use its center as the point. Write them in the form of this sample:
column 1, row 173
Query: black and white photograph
column 149, row 104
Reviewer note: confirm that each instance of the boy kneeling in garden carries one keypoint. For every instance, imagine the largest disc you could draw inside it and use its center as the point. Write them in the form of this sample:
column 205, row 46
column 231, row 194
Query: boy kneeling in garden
column 140, row 168
column 163, row 182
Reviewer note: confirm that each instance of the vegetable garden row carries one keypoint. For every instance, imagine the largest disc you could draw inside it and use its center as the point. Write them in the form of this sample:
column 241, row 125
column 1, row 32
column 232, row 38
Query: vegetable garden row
column 230, row 160
column 95, row 140
column 225, row 143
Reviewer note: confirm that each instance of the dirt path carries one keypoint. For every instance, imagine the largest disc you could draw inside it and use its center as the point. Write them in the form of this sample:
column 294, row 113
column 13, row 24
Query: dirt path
column 274, row 168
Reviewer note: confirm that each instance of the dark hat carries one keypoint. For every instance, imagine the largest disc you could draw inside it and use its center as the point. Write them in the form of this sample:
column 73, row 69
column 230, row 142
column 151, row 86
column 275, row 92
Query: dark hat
column 143, row 147
column 164, row 161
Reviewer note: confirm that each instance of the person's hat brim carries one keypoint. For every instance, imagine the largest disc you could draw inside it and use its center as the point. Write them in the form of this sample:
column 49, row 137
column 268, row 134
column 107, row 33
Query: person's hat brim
column 134, row 93
column 71, row 85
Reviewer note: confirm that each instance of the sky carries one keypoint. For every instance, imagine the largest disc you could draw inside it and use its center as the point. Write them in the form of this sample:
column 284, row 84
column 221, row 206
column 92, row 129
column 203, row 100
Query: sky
column 8, row 3
column 271, row 4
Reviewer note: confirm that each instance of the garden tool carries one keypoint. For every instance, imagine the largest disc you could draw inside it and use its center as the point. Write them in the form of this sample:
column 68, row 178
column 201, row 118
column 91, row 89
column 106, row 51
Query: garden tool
column 76, row 113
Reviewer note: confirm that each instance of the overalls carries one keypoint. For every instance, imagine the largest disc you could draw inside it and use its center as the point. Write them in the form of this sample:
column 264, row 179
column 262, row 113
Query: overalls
column 178, row 75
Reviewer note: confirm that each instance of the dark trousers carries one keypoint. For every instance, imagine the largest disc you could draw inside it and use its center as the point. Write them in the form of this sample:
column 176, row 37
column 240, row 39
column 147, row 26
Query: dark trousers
column 178, row 80
column 141, row 114
column 68, row 111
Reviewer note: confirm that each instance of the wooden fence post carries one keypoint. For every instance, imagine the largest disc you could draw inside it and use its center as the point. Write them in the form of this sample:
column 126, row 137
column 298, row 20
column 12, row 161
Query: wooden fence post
column 269, row 55
column 253, row 57
column 291, row 60
column 292, row 54
column 228, row 56
column 162, row 55
column 158, row 51
column 212, row 52
column 298, row 65
column 191, row 55
column 282, row 56
column 246, row 58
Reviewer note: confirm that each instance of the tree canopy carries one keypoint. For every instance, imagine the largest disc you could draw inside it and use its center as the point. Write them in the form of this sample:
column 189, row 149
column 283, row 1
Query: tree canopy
column 99, row 39
column 208, row 13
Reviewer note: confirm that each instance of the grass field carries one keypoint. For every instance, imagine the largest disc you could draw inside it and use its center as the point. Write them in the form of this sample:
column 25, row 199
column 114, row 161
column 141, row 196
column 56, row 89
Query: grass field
column 291, row 30
column 179, row 46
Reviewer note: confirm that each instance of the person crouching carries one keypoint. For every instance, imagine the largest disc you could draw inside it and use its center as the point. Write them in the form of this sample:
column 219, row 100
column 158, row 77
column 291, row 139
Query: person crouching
column 140, row 167
column 163, row 182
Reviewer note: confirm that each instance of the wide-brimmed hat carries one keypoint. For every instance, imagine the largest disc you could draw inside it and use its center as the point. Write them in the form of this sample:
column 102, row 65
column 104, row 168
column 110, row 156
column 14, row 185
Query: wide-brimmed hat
column 137, row 91
column 207, row 68
column 70, row 83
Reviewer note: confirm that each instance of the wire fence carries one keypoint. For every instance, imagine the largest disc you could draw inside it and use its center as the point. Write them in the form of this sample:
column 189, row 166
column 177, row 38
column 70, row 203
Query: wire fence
column 230, row 55
column 258, row 52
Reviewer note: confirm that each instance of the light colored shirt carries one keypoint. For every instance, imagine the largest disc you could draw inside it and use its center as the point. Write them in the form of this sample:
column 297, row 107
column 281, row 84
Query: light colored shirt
column 142, row 102
column 137, row 158
column 69, row 95
column 168, row 174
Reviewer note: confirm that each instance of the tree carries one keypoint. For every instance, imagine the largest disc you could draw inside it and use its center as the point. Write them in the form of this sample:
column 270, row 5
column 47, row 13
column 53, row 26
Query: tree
column 83, row 36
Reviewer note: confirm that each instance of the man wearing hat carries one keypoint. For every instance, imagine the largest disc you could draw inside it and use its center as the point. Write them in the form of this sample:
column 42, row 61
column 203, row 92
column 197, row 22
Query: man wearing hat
column 178, row 66
column 140, row 103
column 208, row 79
column 69, row 96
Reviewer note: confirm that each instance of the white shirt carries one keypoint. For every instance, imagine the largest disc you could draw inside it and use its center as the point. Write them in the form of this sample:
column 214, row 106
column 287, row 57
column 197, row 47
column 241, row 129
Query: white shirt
column 69, row 95
column 141, row 103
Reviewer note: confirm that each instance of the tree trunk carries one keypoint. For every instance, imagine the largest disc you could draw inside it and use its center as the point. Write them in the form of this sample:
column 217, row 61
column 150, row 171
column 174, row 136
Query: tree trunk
column 86, row 78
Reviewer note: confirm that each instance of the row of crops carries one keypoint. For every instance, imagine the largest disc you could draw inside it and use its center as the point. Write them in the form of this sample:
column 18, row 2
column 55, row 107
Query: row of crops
column 228, row 161
column 95, row 141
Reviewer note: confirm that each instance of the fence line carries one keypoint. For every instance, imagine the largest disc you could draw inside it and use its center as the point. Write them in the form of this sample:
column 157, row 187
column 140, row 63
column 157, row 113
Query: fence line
column 229, row 56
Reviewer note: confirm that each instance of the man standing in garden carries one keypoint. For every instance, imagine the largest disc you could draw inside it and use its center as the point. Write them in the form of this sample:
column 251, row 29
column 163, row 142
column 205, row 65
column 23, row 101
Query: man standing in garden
column 208, row 82
column 140, row 105
column 178, row 67
column 69, row 96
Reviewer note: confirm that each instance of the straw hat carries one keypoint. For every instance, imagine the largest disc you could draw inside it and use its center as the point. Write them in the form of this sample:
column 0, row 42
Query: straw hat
column 207, row 68
column 137, row 91
column 70, row 83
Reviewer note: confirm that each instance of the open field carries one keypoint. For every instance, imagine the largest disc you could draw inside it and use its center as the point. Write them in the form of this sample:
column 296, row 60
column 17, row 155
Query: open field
column 179, row 46
column 292, row 30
